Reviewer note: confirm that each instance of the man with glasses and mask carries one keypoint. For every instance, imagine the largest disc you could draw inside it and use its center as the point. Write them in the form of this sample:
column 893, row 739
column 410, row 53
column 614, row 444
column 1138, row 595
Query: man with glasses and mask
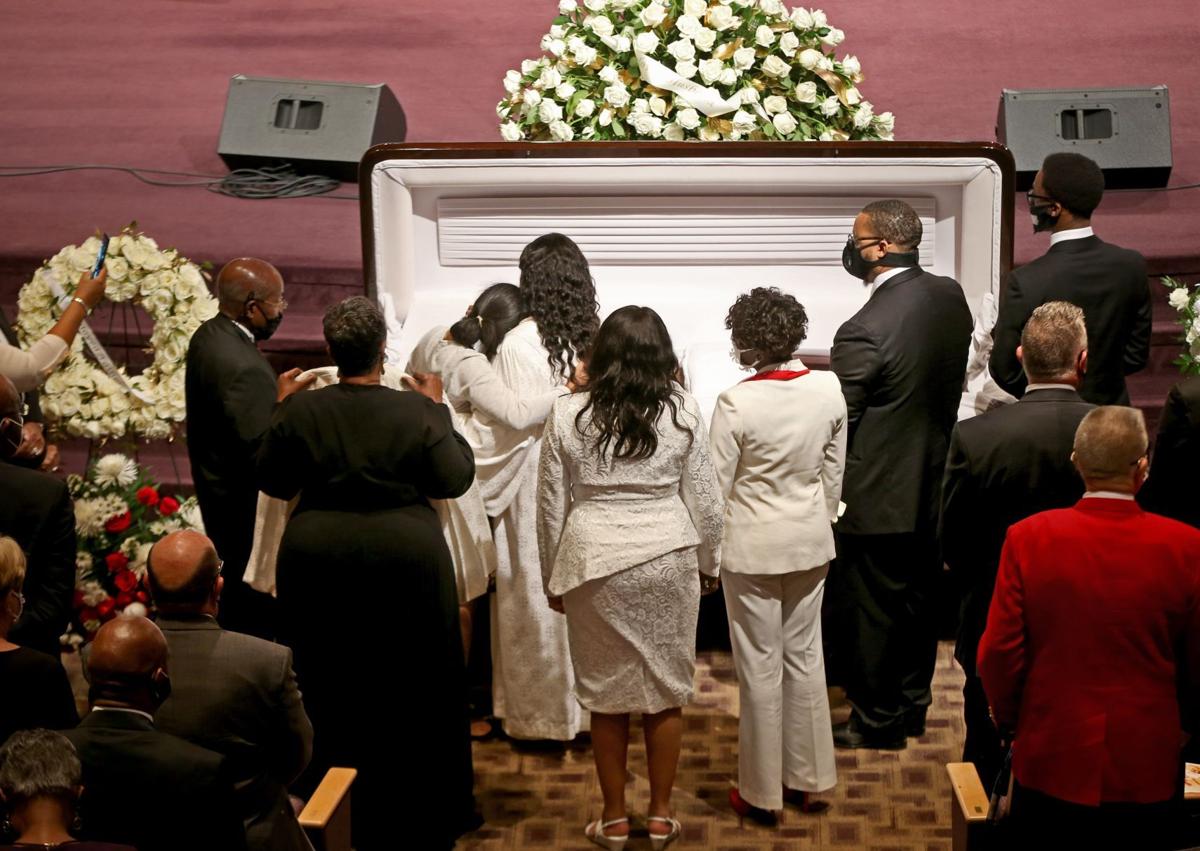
column 36, row 511
column 901, row 361
column 1108, row 282
column 231, row 393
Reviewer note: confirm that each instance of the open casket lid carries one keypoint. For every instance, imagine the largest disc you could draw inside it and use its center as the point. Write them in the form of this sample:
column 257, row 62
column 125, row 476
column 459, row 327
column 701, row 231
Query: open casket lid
column 680, row 227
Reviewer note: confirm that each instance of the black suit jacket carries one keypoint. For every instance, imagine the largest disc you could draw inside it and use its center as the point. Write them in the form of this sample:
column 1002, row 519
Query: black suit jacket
column 230, row 390
column 236, row 695
column 1171, row 488
column 36, row 510
column 901, row 360
column 1002, row 467
column 152, row 790
column 1109, row 284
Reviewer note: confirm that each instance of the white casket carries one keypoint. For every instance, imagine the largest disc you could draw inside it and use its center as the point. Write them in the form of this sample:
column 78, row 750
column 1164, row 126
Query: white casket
column 680, row 227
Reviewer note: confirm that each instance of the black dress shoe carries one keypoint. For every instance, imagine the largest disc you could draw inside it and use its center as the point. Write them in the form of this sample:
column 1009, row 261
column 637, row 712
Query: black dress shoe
column 848, row 736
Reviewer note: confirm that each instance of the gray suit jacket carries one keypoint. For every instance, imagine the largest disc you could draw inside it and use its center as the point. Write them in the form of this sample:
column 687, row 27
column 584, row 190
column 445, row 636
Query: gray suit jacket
column 236, row 694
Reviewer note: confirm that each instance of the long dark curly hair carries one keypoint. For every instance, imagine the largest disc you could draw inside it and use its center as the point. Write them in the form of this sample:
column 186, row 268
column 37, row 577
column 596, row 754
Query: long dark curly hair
column 768, row 320
column 560, row 295
column 630, row 373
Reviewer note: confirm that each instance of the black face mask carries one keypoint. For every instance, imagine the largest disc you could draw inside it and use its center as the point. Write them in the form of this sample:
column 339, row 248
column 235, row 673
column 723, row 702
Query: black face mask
column 264, row 333
column 859, row 266
column 1042, row 220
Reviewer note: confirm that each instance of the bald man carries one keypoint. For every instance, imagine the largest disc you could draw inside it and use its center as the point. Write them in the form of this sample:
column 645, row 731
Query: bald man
column 231, row 392
column 233, row 693
column 143, row 787
column 36, row 511
column 1092, row 636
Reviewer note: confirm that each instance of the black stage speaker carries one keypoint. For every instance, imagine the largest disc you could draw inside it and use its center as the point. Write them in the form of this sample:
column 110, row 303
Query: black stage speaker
column 1126, row 131
column 320, row 128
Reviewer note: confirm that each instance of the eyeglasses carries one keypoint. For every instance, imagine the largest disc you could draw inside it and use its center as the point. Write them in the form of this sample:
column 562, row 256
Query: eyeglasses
column 1031, row 196
column 857, row 239
column 280, row 304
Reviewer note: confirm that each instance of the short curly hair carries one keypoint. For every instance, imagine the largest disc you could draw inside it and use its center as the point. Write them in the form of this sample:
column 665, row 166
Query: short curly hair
column 1074, row 181
column 355, row 331
column 769, row 320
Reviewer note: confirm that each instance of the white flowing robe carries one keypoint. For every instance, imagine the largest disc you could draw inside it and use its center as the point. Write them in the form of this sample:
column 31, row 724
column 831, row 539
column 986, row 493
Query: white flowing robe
column 533, row 684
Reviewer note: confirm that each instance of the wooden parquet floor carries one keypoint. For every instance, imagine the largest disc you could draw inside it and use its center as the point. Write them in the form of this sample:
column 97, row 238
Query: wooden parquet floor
column 884, row 801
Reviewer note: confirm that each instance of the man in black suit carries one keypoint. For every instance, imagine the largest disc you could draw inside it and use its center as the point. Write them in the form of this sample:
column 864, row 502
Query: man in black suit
column 1002, row 467
column 1107, row 282
column 231, row 392
column 142, row 787
column 231, row 693
column 901, row 360
column 36, row 511
column 1170, row 489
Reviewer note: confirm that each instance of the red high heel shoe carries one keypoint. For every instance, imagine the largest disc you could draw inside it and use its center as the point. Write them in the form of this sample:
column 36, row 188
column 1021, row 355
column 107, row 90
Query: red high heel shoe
column 804, row 801
column 745, row 809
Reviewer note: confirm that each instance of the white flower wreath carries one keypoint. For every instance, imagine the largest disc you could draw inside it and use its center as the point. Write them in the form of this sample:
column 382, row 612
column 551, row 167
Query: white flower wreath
column 79, row 397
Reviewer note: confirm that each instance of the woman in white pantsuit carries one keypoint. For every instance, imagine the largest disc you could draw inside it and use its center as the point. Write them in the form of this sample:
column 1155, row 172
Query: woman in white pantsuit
column 779, row 445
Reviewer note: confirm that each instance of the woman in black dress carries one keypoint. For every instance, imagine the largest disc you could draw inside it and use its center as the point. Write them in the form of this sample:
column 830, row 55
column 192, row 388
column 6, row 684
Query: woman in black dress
column 366, row 586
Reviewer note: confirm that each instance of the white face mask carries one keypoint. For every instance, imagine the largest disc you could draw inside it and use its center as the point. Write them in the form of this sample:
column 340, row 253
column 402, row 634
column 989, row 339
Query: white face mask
column 736, row 354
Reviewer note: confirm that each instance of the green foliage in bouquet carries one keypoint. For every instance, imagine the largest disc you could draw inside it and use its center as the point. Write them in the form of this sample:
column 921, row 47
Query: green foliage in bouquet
column 1186, row 301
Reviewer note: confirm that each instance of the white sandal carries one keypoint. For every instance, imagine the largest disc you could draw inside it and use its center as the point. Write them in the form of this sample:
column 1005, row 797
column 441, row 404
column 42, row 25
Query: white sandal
column 659, row 841
column 595, row 833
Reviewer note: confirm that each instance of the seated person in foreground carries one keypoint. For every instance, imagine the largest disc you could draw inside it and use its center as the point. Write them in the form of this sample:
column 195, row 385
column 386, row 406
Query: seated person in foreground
column 1093, row 631
column 232, row 693
column 40, row 782
column 144, row 787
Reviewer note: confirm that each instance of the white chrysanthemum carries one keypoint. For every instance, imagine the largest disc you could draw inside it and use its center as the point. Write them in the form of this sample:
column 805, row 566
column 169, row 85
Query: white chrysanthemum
column 93, row 593
column 88, row 521
column 83, row 564
column 115, row 469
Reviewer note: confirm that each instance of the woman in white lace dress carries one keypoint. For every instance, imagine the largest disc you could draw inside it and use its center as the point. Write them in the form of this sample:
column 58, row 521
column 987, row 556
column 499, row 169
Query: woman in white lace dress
column 629, row 523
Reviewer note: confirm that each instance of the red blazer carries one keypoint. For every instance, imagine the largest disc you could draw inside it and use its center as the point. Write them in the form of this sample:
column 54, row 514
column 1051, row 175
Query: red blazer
column 1094, row 625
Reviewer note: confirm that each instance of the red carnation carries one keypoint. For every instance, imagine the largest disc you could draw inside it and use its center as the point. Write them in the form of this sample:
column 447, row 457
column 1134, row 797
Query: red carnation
column 147, row 496
column 116, row 562
column 124, row 599
column 105, row 609
column 142, row 597
column 169, row 505
column 126, row 581
column 120, row 523
column 87, row 613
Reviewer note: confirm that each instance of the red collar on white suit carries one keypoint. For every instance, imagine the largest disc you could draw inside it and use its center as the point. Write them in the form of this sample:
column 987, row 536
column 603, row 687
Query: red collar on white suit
column 785, row 371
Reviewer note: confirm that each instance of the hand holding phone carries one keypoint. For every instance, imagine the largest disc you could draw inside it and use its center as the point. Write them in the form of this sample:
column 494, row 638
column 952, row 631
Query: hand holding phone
column 100, row 256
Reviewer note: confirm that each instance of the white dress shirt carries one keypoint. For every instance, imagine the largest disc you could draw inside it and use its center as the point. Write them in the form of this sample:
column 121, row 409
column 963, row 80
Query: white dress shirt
column 1073, row 233
column 887, row 276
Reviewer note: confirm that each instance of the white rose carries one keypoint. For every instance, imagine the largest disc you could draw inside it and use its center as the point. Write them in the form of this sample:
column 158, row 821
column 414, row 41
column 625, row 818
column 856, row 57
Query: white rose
column 710, row 70
column 117, row 268
column 617, row 43
column 640, row 105
column 688, row 118
column 550, row 77
column 773, row 7
column 743, row 121
column 599, row 24
column 510, row 131
column 728, row 77
column 748, row 95
column 585, row 108
column 584, row 55
column 852, row 96
column 818, row 18
column 773, row 66
column 764, row 36
column 825, row 136
column 135, row 253
column 653, row 15
column 863, row 116
column 852, row 66
column 1178, row 299
column 886, row 122
column 789, row 43
column 604, row 118
column 69, row 402
column 834, row 37
column 709, row 134
column 806, row 92
column 154, row 260
column 801, row 19
column 646, row 42
column 743, row 58
column 204, row 309
column 705, row 38
column 560, row 131
column 503, row 109
column 695, row 8
column 566, row 7
column 608, row 74
column 722, row 18
column 826, row 63
column 596, row 5
column 553, row 45
column 689, row 25
column 658, row 106
column 617, row 95
column 647, row 124
column 775, row 103
column 532, row 98
column 809, row 58
column 687, row 70
column 563, row 91
column 673, row 132
column 830, row 106
column 683, row 50
column 512, row 83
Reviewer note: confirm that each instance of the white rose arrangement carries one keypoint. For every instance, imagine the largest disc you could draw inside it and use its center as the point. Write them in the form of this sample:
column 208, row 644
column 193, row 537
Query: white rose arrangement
column 1185, row 299
column 715, row 66
column 79, row 398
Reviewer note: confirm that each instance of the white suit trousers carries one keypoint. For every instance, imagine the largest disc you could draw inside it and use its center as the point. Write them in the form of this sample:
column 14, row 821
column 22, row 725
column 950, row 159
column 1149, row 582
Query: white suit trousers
column 785, row 736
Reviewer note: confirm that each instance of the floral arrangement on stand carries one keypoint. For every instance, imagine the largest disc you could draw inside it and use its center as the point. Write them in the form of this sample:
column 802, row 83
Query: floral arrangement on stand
column 119, row 514
column 689, row 69
column 1186, row 301
column 80, row 397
